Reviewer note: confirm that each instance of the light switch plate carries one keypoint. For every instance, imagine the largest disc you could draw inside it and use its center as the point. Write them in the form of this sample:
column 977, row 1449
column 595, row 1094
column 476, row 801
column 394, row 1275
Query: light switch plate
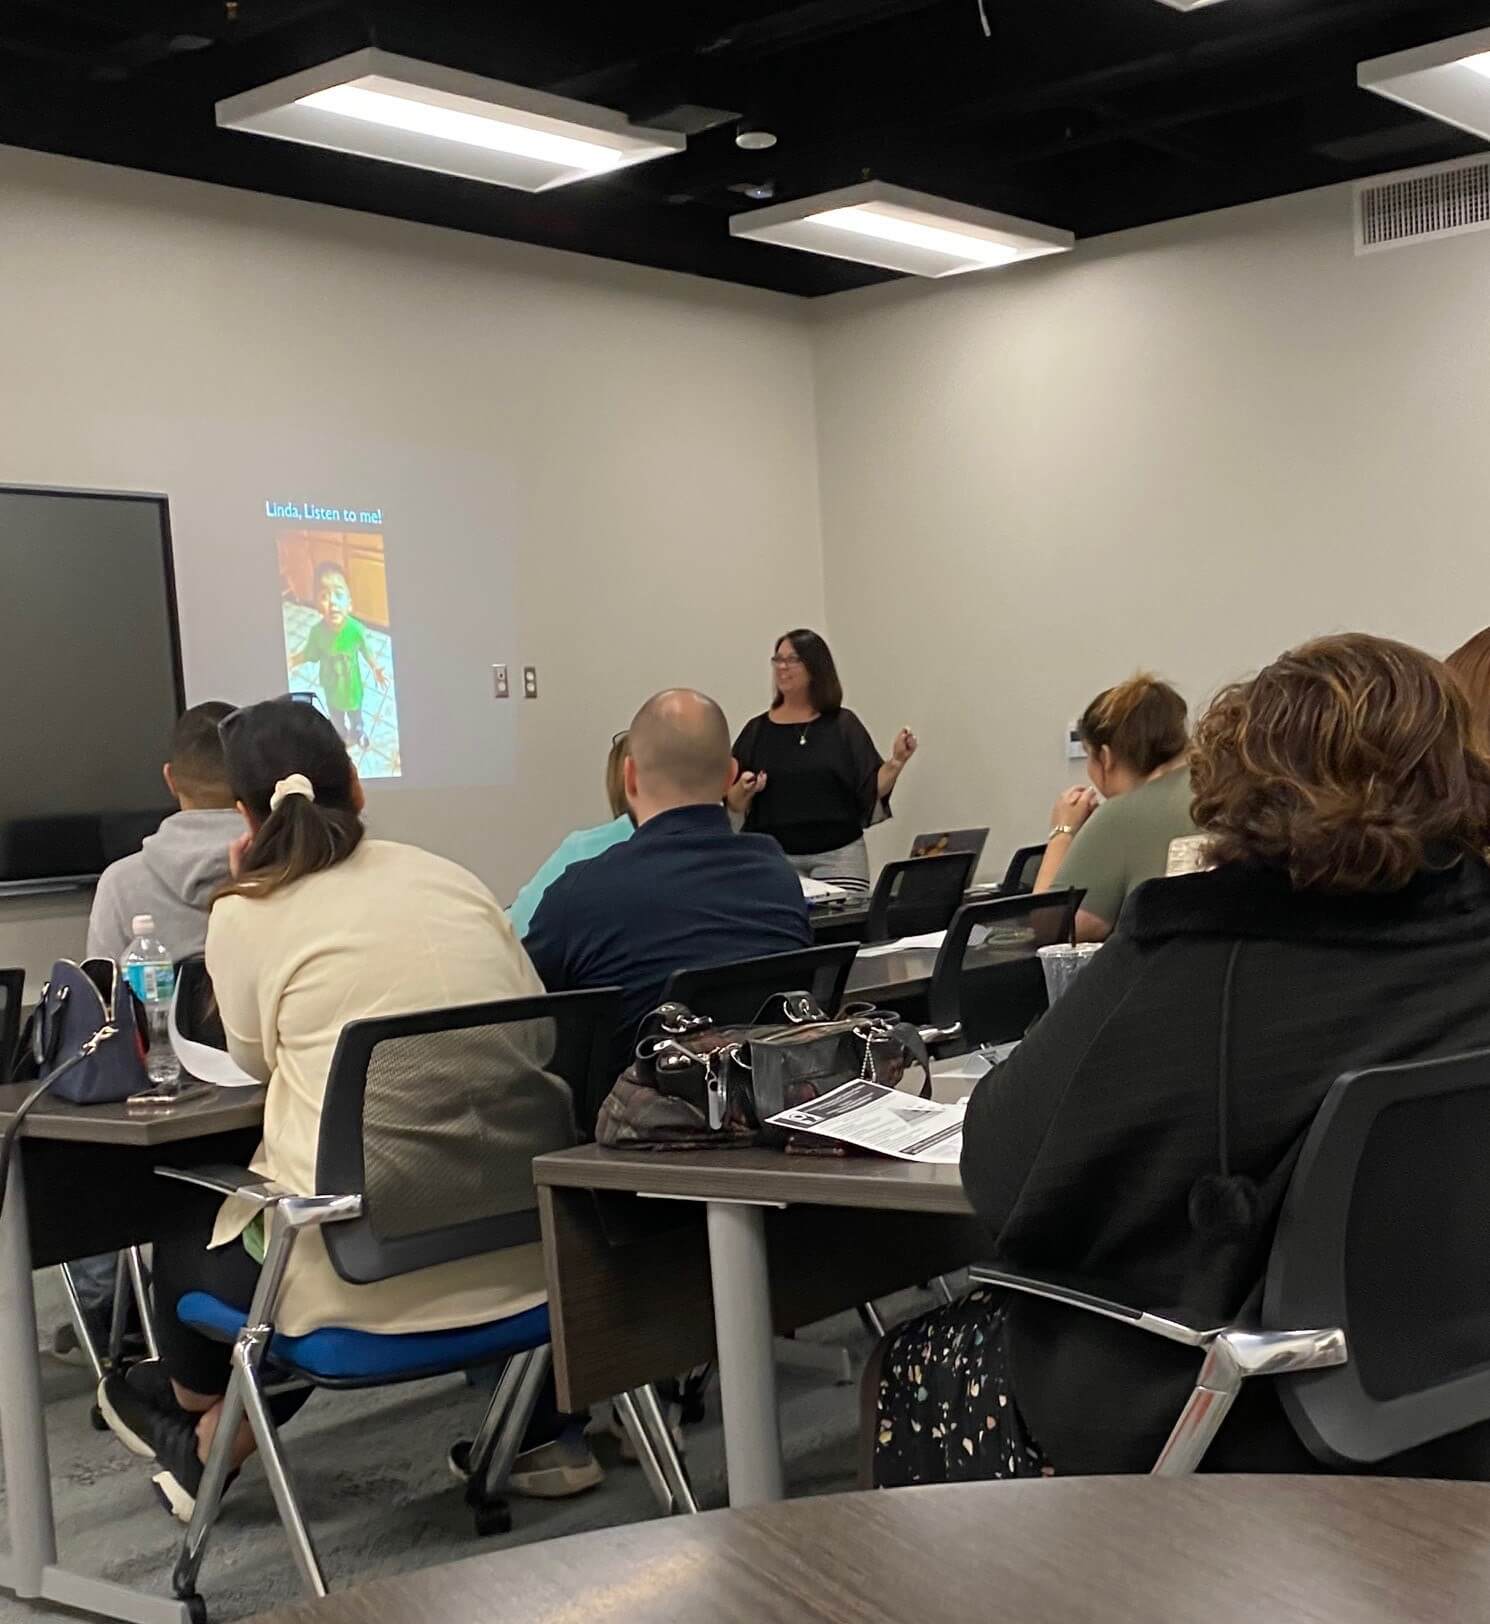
column 530, row 682
column 1075, row 749
column 499, row 688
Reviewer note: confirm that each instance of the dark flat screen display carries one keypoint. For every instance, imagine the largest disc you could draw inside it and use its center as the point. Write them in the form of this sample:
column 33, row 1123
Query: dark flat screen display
column 90, row 671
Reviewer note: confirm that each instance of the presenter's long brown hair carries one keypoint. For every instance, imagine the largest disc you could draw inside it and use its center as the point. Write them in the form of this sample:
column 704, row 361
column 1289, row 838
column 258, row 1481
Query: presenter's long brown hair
column 824, row 690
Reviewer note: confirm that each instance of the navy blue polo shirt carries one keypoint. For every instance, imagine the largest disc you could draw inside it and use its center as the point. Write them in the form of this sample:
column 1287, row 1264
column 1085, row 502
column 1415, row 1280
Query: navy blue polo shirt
column 685, row 892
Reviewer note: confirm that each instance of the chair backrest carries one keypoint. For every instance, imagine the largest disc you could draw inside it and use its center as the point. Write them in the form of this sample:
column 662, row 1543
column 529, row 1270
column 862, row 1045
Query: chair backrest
column 1023, row 870
column 12, row 991
column 197, row 1014
column 434, row 1120
column 918, row 894
column 732, row 994
column 945, row 840
column 1385, row 1233
column 988, row 975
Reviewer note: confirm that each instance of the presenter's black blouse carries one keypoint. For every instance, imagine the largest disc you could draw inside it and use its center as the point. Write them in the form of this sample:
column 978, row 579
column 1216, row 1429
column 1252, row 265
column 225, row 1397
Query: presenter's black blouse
column 822, row 787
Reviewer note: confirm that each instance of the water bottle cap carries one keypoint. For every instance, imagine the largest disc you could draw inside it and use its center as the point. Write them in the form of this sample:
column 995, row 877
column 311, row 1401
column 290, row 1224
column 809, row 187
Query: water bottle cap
column 143, row 924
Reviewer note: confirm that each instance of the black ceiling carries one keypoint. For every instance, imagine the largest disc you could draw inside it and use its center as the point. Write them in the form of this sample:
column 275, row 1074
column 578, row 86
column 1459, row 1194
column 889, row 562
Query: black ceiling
column 1094, row 115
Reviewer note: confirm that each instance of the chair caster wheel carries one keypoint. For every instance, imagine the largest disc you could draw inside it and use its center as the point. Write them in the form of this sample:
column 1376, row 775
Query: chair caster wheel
column 495, row 1517
column 95, row 1416
column 196, row 1609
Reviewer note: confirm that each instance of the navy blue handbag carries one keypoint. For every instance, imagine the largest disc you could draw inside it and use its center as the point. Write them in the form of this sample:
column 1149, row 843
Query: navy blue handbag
column 85, row 1039
column 84, row 1042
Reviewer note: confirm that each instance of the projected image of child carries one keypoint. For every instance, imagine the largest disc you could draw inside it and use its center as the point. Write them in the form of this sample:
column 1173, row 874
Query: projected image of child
column 338, row 645
column 335, row 599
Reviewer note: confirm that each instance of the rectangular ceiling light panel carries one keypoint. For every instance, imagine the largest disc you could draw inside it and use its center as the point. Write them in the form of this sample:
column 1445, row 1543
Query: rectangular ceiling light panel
column 899, row 230
column 378, row 105
column 1449, row 81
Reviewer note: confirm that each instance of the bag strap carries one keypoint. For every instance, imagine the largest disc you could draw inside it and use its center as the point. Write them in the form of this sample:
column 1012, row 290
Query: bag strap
column 18, row 1063
column 908, row 1037
column 793, row 1008
column 34, row 1098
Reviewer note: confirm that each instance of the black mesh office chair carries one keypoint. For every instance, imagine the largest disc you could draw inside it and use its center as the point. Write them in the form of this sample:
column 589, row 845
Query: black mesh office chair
column 398, row 1201
column 988, row 984
column 1379, row 1256
column 918, row 895
column 1022, row 872
column 12, row 991
column 733, row 994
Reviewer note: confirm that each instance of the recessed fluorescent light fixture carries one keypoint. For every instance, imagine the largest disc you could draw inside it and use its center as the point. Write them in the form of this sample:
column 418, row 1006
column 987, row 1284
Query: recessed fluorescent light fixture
column 378, row 105
column 1449, row 80
column 878, row 224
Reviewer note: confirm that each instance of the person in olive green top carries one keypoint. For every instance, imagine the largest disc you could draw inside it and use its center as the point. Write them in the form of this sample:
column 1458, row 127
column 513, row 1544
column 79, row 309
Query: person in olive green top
column 1136, row 741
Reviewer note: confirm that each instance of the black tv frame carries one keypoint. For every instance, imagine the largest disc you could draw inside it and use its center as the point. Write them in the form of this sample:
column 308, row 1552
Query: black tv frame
column 74, row 882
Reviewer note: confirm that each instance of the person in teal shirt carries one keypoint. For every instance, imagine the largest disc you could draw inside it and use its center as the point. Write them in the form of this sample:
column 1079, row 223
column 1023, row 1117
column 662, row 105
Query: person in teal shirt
column 338, row 645
column 580, row 846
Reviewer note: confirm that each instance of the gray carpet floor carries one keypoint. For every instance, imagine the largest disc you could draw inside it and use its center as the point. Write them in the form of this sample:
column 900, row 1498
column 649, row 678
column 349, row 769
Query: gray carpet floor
column 370, row 1469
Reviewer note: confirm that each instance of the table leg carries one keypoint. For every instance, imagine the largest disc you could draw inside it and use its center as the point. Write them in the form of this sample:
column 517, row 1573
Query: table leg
column 28, row 1477
column 747, row 1356
column 31, row 1569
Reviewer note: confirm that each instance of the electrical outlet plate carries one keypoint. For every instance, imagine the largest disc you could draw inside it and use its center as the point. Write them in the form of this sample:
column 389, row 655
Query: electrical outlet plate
column 530, row 682
column 499, row 688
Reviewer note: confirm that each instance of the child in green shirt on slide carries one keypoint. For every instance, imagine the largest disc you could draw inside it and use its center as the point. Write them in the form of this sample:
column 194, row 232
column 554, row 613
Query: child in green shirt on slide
column 338, row 645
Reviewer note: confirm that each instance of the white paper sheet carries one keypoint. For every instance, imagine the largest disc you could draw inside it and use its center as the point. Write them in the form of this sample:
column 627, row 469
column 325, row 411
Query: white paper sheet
column 933, row 938
column 874, row 1117
column 820, row 890
column 202, row 1061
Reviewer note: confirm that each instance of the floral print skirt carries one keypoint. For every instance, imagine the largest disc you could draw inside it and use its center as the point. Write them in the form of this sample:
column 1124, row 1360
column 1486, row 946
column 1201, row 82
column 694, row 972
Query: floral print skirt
column 945, row 1412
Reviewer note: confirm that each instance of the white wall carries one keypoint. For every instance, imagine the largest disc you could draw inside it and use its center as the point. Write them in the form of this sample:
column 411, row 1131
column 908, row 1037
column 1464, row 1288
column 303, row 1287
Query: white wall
column 1183, row 448
column 632, row 453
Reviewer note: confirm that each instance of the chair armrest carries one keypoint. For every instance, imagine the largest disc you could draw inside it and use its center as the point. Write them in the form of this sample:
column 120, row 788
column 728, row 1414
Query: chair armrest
column 227, row 1180
column 297, row 1211
column 931, row 1035
column 1173, row 1324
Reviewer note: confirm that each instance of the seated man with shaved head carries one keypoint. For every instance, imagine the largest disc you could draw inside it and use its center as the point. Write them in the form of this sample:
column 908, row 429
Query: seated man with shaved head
column 685, row 891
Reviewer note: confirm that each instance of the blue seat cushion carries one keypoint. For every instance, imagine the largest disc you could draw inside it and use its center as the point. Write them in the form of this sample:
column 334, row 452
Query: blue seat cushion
column 356, row 1358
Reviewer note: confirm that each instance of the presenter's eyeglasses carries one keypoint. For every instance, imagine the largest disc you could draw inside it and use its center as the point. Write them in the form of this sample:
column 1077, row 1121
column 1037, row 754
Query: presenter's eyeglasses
column 786, row 661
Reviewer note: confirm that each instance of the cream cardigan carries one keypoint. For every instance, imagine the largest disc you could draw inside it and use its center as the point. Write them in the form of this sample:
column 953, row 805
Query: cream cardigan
column 391, row 930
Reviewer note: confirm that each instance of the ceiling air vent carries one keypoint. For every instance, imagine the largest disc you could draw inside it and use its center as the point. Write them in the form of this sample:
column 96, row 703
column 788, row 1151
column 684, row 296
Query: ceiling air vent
column 1417, row 205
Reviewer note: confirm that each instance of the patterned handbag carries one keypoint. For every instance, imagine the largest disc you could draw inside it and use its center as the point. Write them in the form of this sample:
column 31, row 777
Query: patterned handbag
column 695, row 1084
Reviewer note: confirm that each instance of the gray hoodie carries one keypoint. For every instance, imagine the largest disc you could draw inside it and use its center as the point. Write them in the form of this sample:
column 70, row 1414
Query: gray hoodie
column 172, row 877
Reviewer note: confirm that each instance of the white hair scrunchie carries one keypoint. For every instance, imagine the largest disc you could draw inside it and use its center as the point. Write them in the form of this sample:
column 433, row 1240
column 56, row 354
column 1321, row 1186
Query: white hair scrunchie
column 295, row 784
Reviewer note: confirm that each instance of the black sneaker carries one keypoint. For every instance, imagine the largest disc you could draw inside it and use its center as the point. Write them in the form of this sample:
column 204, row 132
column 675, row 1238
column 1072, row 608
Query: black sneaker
column 133, row 1403
column 180, row 1478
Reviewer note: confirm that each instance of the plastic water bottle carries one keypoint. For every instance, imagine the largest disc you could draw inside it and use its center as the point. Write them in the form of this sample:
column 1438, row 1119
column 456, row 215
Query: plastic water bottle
column 150, row 970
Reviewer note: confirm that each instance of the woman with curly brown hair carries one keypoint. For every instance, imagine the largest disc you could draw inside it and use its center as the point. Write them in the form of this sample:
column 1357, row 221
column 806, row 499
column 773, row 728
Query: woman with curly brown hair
column 1143, row 1135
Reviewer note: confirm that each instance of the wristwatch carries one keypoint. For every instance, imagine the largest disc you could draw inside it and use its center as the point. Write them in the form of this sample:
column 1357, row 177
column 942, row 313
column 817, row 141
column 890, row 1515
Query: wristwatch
column 1061, row 829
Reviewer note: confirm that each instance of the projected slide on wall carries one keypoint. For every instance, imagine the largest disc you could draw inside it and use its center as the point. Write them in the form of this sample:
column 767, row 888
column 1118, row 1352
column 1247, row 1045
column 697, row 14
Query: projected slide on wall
column 333, row 578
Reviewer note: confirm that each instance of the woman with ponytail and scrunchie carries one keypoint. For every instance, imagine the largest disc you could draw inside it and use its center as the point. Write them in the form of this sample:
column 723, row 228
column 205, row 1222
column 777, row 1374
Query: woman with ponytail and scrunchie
column 319, row 926
column 1143, row 1135
column 1136, row 742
